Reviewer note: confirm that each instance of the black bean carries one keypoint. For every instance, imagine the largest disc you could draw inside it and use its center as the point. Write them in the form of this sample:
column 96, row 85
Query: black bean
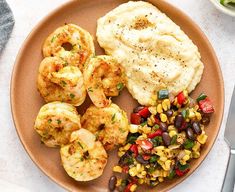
column 140, row 159
column 196, row 128
column 178, row 121
column 166, row 138
column 189, row 133
column 169, row 113
column 137, row 109
column 142, row 120
column 205, row 120
column 163, row 126
column 112, row 183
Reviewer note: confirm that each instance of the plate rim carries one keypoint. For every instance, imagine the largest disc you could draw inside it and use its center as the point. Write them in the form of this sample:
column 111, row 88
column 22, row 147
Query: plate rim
column 17, row 65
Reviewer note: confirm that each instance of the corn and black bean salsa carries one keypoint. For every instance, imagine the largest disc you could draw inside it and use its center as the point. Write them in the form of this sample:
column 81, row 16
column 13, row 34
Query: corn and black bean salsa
column 162, row 140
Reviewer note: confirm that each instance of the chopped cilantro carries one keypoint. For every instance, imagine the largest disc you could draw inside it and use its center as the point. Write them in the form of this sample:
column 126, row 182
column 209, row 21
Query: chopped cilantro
column 188, row 144
column 58, row 121
column 144, row 123
column 183, row 167
column 49, row 121
column 174, row 139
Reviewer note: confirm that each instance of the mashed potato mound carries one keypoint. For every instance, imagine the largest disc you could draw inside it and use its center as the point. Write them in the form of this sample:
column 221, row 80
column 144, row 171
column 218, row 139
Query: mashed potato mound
column 154, row 51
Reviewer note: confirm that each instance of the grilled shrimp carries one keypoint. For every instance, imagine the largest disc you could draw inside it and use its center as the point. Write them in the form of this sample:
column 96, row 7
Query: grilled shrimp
column 55, row 122
column 57, row 82
column 70, row 42
column 103, row 77
column 109, row 124
column 84, row 159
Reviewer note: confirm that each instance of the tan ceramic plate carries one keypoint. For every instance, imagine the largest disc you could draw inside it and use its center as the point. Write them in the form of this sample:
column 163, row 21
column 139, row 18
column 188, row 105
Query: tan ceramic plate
column 26, row 101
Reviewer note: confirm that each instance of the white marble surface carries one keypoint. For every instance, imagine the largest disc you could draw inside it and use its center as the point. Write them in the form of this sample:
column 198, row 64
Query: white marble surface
column 15, row 164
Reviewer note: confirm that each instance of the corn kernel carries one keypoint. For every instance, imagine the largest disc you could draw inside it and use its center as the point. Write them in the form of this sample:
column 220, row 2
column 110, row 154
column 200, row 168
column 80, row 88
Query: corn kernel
column 143, row 173
column 120, row 153
column 191, row 114
column 168, row 165
column 186, row 158
column 202, row 138
column 146, row 130
column 134, row 128
column 119, row 181
column 171, row 127
column 198, row 116
column 160, row 179
column 117, row 169
column 172, row 133
column 133, row 171
column 187, row 152
column 150, row 122
column 172, row 119
column 182, row 162
column 127, row 146
column 196, row 154
column 138, row 167
column 140, row 181
column 163, row 158
column 196, row 147
column 133, row 188
column 159, row 108
column 166, row 104
column 163, row 117
column 153, row 110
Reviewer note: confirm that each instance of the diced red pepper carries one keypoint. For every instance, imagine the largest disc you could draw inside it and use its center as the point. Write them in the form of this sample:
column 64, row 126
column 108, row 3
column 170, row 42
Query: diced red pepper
column 157, row 121
column 181, row 98
column 206, row 106
column 128, row 187
column 125, row 169
column 135, row 118
column 145, row 144
column 144, row 112
column 156, row 133
column 146, row 157
column 134, row 149
column 181, row 173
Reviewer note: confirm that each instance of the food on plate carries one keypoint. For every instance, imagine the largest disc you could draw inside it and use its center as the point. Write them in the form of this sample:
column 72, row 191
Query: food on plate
column 227, row 2
column 153, row 50
column 71, row 43
column 103, row 77
column 109, row 124
column 163, row 139
column 55, row 122
column 84, row 158
column 57, row 82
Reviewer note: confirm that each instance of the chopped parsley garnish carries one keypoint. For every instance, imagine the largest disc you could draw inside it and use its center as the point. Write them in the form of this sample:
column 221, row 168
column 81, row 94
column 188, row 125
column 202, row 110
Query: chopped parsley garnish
column 113, row 117
column 80, row 144
column 58, row 121
column 90, row 89
column 120, row 86
column 72, row 95
column 49, row 121
column 63, row 83
column 53, row 39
